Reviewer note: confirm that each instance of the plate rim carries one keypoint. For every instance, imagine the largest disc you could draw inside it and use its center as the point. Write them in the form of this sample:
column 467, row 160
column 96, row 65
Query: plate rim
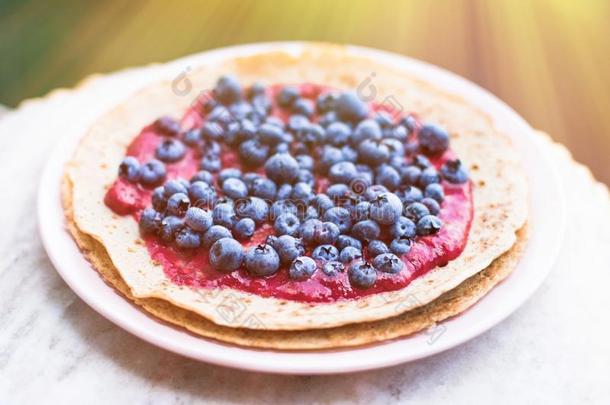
column 52, row 229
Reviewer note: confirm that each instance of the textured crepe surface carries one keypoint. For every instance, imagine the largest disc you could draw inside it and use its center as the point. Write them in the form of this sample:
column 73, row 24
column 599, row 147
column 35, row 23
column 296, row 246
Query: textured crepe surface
column 499, row 187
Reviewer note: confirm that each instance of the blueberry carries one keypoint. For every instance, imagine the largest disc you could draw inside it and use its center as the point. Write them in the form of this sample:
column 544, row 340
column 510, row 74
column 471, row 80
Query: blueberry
column 241, row 110
column 169, row 228
column 361, row 211
column 349, row 254
column 388, row 263
column 235, row 188
column 214, row 233
column 433, row 140
column 283, row 147
column 174, row 187
column 224, row 214
column 227, row 90
column 202, row 194
column 395, row 147
column 212, row 131
column 338, row 192
column 254, row 208
column 428, row 225
column 415, row 211
column 366, row 130
column 421, row 161
column 384, row 119
column 287, row 224
column 377, row 247
column 366, row 230
column 229, row 173
column 203, row 176
column 342, row 172
column 325, row 252
column 311, row 213
column 192, row 137
column 226, row 255
column 129, row 169
column 302, row 192
column 305, row 162
column 326, row 233
column 210, row 162
column 410, row 194
column 410, row 175
column 305, row 176
column 282, row 168
column 244, row 228
column 350, row 108
column 250, row 177
column 340, row 217
column 432, row 205
column 287, row 96
column 326, row 102
column 186, row 238
column 198, row 219
column 388, row 177
column 303, row 106
column 270, row 134
column 338, row 133
column 263, row 188
column 302, row 268
column 400, row 246
column 152, row 174
column 373, row 152
column 275, row 121
column 289, row 248
column 177, row 204
column 361, row 274
column 158, row 200
column 307, row 230
column 150, row 222
column 403, row 227
column 429, row 176
column 349, row 154
column 256, row 89
column 329, row 156
column 333, row 268
column 322, row 202
column 374, row 191
column 170, row 150
column 399, row 132
column 454, row 172
column 434, row 191
column 282, row 207
column 344, row 241
column 262, row 261
column 327, row 118
column 167, row 126
column 386, row 208
column 253, row 152
column 284, row 192
column 409, row 122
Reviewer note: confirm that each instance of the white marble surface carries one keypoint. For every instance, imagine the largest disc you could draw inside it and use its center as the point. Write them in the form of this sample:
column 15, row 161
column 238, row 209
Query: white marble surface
column 53, row 347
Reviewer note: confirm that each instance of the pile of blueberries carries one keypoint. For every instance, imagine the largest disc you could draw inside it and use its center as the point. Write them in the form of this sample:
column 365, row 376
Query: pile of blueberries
column 382, row 192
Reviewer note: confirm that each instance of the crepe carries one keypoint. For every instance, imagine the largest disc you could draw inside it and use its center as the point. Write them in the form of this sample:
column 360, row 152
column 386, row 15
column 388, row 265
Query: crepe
column 499, row 187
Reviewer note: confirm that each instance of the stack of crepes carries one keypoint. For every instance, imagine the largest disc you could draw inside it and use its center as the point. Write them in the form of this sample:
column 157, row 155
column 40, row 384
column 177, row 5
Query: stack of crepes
column 116, row 249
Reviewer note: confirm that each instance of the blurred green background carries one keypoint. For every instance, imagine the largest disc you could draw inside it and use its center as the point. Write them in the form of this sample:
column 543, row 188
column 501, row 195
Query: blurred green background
column 548, row 59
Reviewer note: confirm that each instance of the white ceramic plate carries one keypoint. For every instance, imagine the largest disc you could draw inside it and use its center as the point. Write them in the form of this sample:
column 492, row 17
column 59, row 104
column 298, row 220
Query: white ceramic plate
column 547, row 218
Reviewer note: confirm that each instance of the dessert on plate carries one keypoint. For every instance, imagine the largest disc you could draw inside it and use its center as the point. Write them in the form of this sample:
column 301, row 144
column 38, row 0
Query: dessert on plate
column 307, row 201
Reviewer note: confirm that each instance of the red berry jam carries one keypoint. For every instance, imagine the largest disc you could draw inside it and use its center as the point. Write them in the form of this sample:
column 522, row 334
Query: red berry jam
column 193, row 269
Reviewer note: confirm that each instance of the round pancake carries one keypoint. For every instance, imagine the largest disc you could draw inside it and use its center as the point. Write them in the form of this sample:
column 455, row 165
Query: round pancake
column 499, row 188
